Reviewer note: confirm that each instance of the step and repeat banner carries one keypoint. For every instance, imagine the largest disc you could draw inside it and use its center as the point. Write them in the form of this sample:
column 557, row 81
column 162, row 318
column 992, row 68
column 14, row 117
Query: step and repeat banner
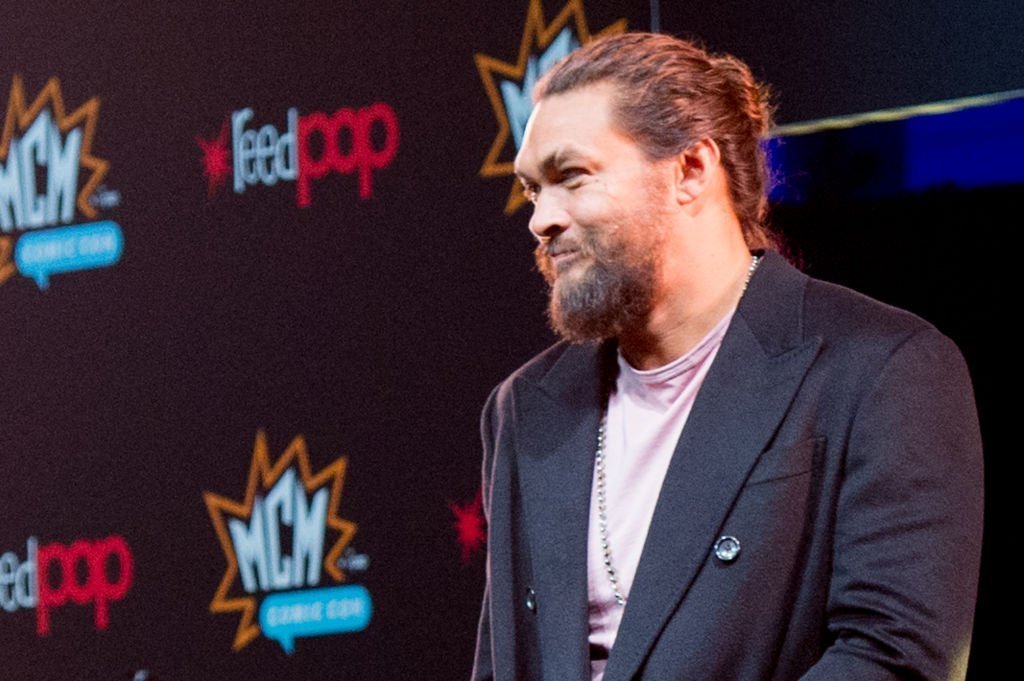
column 260, row 266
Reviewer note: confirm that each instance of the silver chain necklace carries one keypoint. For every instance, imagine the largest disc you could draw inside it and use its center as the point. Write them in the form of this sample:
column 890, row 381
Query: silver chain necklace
column 599, row 466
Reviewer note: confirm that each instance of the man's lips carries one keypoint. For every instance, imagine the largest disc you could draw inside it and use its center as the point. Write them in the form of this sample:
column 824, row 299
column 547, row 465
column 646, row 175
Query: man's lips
column 562, row 255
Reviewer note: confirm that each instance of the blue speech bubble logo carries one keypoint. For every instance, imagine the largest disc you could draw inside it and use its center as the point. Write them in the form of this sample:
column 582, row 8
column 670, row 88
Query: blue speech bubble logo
column 285, row 617
column 67, row 249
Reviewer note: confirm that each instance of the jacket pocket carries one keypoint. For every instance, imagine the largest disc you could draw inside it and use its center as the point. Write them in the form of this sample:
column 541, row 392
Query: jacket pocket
column 786, row 461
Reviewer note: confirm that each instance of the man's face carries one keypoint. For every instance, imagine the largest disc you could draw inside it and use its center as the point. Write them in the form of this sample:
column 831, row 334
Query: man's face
column 599, row 214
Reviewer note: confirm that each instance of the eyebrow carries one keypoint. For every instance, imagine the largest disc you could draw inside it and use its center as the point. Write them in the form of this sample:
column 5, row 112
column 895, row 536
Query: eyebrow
column 552, row 161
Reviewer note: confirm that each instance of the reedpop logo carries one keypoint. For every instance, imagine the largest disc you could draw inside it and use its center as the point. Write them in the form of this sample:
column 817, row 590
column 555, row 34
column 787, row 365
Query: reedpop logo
column 360, row 141
column 42, row 150
column 97, row 572
column 283, row 540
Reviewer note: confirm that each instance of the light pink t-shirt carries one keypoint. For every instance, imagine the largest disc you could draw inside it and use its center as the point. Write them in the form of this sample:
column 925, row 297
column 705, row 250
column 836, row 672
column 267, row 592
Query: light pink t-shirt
column 646, row 414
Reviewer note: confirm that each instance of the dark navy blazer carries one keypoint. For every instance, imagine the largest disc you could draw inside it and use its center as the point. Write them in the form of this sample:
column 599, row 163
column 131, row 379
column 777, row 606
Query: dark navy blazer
column 834, row 437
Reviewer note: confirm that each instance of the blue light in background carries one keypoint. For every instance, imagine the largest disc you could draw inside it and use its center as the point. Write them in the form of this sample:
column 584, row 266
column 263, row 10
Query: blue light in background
column 967, row 148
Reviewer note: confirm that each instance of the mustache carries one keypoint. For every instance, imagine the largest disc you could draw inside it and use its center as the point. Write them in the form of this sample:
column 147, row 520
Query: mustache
column 545, row 252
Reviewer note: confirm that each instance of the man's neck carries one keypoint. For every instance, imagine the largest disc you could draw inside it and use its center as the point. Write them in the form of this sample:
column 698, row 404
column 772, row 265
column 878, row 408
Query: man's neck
column 689, row 308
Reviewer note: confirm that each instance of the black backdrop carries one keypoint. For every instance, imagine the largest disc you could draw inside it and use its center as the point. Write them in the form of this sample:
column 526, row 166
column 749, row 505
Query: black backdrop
column 373, row 327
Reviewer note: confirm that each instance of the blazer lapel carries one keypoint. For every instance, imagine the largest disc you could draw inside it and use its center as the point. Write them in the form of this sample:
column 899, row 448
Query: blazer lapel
column 745, row 395
column 555, row 455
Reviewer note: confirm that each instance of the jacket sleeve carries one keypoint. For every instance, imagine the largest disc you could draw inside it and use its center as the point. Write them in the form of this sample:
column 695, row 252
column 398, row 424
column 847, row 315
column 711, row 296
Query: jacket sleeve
column 483, row 663
column 908, row 523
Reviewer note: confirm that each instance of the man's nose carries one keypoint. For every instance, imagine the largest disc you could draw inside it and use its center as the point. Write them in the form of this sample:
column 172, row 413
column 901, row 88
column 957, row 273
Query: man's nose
column 549, row 217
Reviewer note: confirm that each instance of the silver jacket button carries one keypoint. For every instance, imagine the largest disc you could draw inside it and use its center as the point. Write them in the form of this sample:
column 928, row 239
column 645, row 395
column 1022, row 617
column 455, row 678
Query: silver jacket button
column 531, row 600
column 727, row 549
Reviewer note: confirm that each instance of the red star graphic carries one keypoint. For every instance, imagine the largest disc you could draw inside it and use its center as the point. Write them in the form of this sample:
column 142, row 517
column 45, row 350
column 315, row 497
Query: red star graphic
column 469, row 526
column 216, row 160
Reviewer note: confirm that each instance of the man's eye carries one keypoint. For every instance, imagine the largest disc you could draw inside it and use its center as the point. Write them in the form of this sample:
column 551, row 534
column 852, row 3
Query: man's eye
column 572, row 176
column 530, row 191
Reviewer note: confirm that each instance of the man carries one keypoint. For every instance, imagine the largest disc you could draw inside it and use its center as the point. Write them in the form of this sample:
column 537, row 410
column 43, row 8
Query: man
column 727, row 471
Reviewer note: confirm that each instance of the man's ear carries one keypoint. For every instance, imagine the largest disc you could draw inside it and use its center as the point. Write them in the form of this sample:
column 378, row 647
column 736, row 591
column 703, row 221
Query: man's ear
column 695, row 167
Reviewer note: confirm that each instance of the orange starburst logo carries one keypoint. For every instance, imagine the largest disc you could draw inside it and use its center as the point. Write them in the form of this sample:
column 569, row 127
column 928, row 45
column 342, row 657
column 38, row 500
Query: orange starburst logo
column 537, row 37
column 262, row 477
column 20, row 116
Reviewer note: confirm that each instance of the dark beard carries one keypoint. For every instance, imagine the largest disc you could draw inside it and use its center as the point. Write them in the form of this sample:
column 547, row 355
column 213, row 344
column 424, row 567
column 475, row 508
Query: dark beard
column 613, row 295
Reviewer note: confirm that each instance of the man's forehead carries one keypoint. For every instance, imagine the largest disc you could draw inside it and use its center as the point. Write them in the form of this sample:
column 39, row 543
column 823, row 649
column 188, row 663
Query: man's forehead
column 588, row 106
